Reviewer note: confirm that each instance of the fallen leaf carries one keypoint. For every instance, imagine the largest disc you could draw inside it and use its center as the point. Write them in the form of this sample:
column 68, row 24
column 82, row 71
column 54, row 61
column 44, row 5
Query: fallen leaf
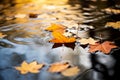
column 2, row 35
column 115, row 25
column 32, row 67
column 71, row 71
column 58, row 67
column 24, row 68
column 54, row 27
column 60, row 38
column 105, row 47
column 84, row 41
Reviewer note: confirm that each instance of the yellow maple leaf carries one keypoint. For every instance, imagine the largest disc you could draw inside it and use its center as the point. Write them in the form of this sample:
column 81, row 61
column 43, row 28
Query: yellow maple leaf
column 87, row 41
column 32, row 67
column 2, row 35
column 71, row 71
column 24, row 68
column 60, row 38
column 54, row 27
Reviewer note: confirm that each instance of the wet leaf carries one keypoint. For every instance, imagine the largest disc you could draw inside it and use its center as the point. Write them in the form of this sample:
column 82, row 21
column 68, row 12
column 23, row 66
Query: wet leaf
column 32, row 67
column 60, row 38
column 84, row 41
column 105, row 47
column 2, row 35
column 58, row 67
column 115, row 25
column 24, row 68
column 54, row 27
column 71, row 71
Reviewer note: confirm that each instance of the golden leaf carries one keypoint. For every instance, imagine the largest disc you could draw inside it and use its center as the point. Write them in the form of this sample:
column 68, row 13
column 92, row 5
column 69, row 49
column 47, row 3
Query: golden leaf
column 24, row 68
column 71, row 71
column 32, row 67
column 54, row 27
column 60, row 38
column 58, row 67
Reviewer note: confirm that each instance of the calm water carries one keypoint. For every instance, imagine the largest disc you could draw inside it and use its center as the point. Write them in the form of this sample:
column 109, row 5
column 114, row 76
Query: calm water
column 24, row 22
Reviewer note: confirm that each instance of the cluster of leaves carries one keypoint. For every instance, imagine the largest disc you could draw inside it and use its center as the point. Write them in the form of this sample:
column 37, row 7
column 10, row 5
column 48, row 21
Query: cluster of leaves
column 94, row 45
column 63, row 67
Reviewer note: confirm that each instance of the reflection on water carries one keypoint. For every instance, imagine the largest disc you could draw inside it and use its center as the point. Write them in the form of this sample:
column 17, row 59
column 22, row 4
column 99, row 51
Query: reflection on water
column 24, row 22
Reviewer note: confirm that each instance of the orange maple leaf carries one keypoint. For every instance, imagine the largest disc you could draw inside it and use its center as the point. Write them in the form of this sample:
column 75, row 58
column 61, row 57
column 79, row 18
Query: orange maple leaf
column 60, row 38
column 58, row 67
column 32, row 67
column 105, row 47
column 54, row 27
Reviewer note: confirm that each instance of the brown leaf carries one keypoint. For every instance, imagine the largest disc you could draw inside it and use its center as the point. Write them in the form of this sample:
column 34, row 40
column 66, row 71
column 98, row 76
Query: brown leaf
column 71, row 71
column 105, row 47
column 58, row 67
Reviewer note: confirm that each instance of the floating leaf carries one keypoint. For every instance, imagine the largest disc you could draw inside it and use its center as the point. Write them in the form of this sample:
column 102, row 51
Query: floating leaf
column 115, row 25
column 87, row 41
column 24, row 68
column 71, row 71
column 54, row 27
column 60, row 38
column 32, row 67
column 2, row 35
column 105, row 47
column 58, row 67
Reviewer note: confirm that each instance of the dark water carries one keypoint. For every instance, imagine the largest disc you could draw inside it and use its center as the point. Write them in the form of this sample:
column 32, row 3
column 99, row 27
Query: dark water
column 24, row 22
